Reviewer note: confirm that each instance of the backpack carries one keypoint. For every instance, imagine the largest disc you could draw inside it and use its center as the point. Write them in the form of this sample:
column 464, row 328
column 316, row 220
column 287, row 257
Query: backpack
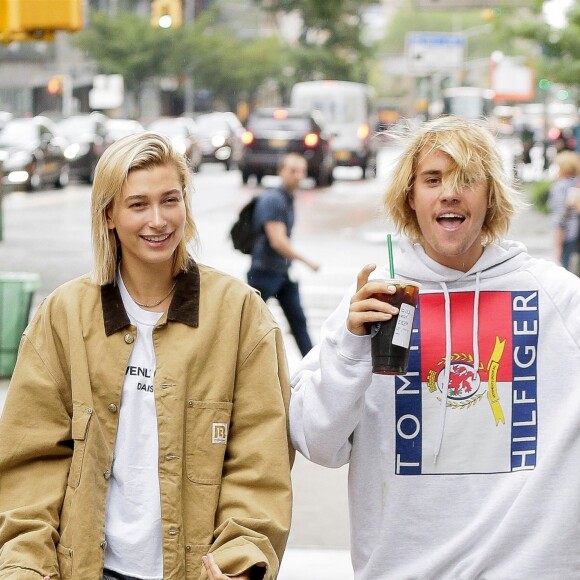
column 242, row 232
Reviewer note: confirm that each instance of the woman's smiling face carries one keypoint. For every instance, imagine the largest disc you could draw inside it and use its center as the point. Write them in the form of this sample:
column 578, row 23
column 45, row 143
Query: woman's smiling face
column 149, row 216
column 451, row 221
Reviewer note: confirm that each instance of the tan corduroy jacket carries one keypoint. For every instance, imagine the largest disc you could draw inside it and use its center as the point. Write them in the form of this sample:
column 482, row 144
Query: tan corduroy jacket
column 221, row 392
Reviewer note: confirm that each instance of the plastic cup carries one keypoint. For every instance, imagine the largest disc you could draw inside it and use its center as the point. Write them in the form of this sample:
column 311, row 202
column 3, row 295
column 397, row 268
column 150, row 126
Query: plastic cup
column 390, row 340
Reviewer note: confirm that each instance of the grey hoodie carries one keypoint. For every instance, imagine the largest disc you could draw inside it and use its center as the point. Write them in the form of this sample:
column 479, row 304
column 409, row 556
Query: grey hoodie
column 485, row 485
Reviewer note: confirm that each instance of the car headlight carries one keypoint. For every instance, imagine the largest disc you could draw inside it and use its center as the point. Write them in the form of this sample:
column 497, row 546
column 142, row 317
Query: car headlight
column 218, row 140
column 17, row 160
column 180, row 145
column 75, row 150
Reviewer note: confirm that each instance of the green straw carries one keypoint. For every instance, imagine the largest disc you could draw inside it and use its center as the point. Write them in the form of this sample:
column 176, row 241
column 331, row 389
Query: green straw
column 390, row 248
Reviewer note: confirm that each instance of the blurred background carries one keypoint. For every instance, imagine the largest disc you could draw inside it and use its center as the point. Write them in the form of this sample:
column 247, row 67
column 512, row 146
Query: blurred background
column 236, row 84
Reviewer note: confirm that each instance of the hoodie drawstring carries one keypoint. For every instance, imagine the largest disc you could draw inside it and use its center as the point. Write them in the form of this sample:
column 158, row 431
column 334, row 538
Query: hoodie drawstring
column 447, row 369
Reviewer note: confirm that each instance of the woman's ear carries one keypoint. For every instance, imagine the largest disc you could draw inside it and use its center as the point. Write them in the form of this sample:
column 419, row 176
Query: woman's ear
column 411, row 199
column 109, row 217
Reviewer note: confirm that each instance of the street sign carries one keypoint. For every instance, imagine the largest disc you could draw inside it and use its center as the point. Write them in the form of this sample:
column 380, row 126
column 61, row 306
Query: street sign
column 428, row 52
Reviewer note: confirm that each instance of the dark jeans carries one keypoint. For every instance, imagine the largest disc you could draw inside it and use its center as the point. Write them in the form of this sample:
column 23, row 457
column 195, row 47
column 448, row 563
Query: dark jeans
column 110, row 575
column 286, row 292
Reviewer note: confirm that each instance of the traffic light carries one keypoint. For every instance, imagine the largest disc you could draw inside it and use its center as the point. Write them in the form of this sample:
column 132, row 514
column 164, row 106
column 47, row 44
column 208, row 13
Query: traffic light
column 38, row 19
column 55, row 85
column 166, row 13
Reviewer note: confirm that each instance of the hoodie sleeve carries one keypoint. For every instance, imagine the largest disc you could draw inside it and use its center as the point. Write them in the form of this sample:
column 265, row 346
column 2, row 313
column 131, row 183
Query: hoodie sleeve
column 328, row 392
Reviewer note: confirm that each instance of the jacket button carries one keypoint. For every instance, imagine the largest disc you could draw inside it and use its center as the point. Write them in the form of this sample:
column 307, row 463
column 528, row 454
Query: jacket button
column 172, row 532
column 107, row 474
column 112, row 407
column 188, row 548
column 104, row 545
column 129, row 338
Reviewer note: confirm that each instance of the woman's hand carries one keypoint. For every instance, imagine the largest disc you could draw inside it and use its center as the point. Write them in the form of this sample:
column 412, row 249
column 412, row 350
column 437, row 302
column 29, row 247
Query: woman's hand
column 214, row 573
column 364, row 308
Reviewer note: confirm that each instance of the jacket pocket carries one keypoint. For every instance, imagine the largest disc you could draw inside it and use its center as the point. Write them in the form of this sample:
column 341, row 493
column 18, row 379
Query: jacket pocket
column 80, row 427
column 64, row 557
column 207, row 430
column 193, row 563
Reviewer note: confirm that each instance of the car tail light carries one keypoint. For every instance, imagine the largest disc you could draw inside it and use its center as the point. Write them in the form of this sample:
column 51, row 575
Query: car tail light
column 311, row 140
column 363, row 131
column 247, row 137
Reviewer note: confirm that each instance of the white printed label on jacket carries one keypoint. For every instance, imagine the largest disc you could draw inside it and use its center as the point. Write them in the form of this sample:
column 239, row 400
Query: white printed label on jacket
column 219, row 433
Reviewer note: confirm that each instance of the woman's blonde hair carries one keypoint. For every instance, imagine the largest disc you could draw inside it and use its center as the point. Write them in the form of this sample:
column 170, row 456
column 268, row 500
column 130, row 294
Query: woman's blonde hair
column 475, row 157
column 141, row 151
column 568, row 162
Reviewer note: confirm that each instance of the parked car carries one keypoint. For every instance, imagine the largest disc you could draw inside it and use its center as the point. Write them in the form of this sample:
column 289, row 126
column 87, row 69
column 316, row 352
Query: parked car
column 272, row 132
column 32, row 154
column 87, row 137
column 221, row 138
column 118, row 128
column 184, row 134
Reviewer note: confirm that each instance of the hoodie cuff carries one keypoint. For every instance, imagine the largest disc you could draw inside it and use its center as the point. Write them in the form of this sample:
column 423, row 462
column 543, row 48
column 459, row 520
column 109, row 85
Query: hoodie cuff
column 354, row 347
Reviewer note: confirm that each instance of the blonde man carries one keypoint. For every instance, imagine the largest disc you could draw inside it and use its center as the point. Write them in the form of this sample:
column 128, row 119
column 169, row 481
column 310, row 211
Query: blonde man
column 453, row 464
column 144, row 430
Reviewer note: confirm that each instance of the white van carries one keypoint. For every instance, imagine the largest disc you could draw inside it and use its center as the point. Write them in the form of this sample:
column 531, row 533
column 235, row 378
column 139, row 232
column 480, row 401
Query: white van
column 350, row 116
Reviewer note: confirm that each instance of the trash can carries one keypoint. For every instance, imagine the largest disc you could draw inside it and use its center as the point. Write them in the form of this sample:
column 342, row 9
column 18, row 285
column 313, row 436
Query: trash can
column 16, row 292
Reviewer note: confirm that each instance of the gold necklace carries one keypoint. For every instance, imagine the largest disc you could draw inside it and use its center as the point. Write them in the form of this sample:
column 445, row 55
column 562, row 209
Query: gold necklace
column 158, row 302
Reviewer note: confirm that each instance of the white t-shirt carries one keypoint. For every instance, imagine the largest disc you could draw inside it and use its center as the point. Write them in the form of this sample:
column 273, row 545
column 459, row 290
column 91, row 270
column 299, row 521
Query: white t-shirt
column 133, row 511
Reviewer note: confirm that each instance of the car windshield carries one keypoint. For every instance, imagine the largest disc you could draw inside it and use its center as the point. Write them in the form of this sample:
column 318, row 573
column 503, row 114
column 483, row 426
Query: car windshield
column 168, row 127
column 211, row 124
column 75, row 126
column 17, row 133
column 297, row 124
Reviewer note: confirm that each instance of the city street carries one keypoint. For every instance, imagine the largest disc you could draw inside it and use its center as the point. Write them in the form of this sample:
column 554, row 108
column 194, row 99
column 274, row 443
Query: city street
column 341, row 227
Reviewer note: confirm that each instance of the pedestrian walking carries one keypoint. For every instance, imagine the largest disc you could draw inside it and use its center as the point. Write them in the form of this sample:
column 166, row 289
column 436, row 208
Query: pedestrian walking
column 466, row 466
column 144, row 433
column 273, row 253
column 563, row 213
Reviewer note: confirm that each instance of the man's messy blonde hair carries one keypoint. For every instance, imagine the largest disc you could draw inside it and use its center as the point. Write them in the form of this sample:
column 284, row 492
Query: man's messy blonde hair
column 141, row 151
column 474, row 156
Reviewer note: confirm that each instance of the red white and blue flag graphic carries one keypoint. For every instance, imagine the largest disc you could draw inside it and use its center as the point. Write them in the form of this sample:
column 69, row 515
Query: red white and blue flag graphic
column 491, row 415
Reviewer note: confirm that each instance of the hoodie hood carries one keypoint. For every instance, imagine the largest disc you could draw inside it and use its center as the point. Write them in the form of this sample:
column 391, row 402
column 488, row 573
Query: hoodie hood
column 497, row 259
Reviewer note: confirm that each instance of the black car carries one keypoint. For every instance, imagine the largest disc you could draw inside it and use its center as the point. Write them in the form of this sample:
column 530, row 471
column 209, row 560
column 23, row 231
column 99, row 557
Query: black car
column 273, row 132
column 221, row 138
column 32, row 154
column 87, row 135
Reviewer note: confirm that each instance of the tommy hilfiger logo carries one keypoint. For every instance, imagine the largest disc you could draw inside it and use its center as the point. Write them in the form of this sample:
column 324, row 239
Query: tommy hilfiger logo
column 219, row 433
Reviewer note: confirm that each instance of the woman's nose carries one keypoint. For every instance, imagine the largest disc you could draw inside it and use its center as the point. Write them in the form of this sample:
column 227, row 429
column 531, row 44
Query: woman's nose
column 157, row 217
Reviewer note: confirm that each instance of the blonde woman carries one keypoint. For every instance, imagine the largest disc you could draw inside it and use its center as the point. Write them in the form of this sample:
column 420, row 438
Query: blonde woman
column 565, row 218
column 453, row 465
column 144, row 430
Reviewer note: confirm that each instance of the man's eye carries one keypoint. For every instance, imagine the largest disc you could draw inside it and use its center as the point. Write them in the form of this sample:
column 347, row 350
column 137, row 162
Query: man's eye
column 137, row 205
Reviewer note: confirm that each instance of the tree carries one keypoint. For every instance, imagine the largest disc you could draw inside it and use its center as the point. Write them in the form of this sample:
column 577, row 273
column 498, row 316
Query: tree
column 559, row 57
column 330, row 44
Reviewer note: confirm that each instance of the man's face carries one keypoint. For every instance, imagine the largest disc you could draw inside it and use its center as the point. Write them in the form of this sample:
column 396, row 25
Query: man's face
column 450, row 221
column 293, row 172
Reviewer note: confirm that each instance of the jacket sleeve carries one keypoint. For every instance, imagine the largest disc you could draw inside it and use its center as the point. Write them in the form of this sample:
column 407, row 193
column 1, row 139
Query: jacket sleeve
column 328, row 392
column 35, row 455
column 255, row 504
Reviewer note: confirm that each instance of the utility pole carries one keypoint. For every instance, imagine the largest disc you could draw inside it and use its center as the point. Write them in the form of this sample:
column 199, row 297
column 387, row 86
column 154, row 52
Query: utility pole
column 189, row 87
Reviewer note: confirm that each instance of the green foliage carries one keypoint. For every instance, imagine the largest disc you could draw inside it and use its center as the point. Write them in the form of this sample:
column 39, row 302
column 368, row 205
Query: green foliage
column 330, row 44
column 126, row 45
column 538, row 194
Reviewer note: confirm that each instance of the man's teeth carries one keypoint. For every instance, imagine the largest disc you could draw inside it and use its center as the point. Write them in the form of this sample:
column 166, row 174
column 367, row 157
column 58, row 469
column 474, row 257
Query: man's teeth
column 450, row 215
